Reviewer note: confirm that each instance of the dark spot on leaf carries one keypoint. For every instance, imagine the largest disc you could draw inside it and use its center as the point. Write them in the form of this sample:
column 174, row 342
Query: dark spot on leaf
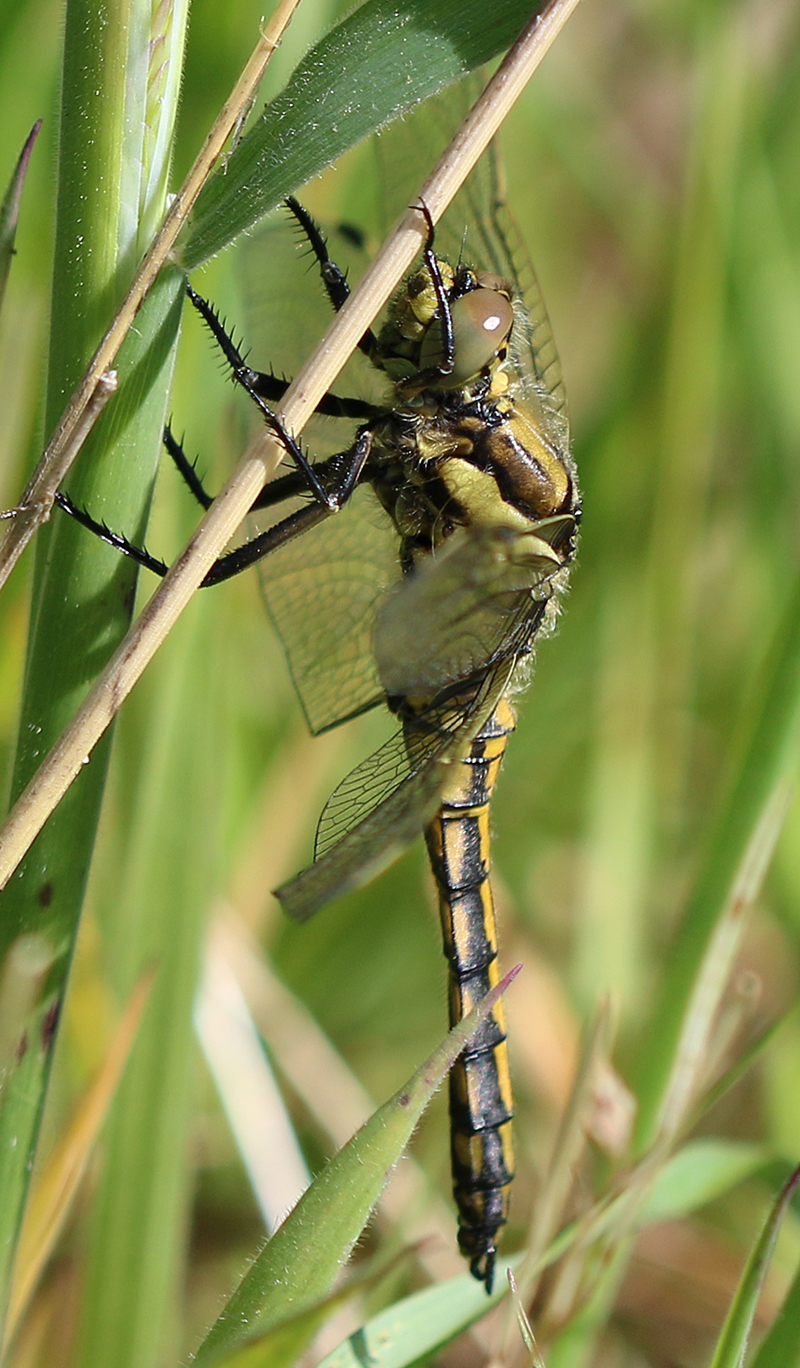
column 45, row 894
column 22, row 1047
column 49, row 1024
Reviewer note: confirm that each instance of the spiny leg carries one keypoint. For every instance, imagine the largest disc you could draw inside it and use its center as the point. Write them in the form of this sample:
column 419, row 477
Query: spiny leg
column 263, row 384
column 233, row 563
column 341, row 472
column 244, row 377
column 444, row 367
column 333, row 277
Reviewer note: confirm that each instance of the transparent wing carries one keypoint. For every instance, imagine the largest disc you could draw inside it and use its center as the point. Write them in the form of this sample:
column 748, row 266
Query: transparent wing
column 480, row 599
column 323, row 592
column 479, row 229
column 287, row 311
column 381, row 807
column 454, row 630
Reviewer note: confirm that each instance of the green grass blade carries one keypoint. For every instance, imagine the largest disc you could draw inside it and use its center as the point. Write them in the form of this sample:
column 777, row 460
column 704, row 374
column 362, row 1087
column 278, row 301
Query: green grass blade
column 781, row 1347
column 700, row 1172
column 385, row 58
column 298, row 1265
column 732, row 1344
column 157, row 917
column 418, row 1325
column 82, row 599
column 769, row 766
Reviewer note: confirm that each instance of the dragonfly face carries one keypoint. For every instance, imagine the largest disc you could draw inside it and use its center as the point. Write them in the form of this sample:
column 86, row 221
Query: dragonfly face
column 426, row 594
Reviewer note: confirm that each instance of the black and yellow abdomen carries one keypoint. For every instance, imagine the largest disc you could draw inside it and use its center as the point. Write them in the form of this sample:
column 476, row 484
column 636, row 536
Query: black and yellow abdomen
column 481, row 1105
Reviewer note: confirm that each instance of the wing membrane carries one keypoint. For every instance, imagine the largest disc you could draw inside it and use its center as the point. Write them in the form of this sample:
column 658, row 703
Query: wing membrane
column 380, row 807
column 480, row 599
column 323, row 592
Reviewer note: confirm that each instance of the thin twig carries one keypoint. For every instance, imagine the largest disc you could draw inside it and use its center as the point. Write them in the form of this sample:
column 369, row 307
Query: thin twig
column 36, row 502
column 39, row 512
column 228, row 510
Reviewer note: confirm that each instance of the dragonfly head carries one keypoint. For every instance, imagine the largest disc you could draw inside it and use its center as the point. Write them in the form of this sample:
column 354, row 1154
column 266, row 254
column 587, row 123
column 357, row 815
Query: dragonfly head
column 482, row 316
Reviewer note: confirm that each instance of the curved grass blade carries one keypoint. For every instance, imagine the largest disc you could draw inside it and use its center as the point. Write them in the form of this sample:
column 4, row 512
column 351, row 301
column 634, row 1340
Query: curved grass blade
column 297, row 1267
column 9, row 209
column 387, row 57
column 54, row 1190
column 781, row 1346
column 737, row 855
column 732, row 1344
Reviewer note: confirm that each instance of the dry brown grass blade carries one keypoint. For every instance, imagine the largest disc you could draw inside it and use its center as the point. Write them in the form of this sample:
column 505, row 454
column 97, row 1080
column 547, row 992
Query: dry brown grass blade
column 51, row 1197
column 229, row 509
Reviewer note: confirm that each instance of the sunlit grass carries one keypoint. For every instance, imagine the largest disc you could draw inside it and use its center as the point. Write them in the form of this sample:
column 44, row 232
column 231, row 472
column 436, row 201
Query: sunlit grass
column 652, row 166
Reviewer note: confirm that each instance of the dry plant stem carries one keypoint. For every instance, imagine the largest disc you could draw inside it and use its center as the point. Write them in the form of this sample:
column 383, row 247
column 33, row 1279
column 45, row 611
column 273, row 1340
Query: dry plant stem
column 36, row 502
column 31, row 515
column 231, row 506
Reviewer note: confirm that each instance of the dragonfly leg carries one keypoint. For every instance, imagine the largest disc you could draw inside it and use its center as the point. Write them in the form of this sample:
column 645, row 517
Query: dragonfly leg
column 285, row 487
column 244, row 376
column 445, row 366
column 115, row 539
column 186, row 469
column 333, row 277
column 447, row 362
column 233, row 563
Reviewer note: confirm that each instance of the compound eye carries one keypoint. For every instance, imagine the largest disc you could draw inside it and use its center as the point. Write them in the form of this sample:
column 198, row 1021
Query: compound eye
column 481, row 323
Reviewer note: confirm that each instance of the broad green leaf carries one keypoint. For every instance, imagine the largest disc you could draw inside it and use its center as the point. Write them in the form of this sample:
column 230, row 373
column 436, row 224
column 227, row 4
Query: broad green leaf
column 385, row 58
column 83, row 600
column 280, row 1346
column 698, row 1173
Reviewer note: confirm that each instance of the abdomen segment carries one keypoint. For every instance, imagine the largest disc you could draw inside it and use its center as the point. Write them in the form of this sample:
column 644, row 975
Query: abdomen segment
column 481, row 1104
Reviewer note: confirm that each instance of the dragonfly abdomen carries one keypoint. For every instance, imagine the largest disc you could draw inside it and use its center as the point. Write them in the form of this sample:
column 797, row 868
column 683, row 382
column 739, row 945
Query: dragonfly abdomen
column 481, row 1104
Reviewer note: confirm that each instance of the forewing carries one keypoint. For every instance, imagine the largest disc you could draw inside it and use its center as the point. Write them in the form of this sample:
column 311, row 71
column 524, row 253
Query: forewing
column 287, row 311
column 323, row 592
column 478, row 600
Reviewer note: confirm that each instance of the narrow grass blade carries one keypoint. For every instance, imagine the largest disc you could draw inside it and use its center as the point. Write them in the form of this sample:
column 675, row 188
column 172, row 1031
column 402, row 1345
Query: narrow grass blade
column 419, row 1325
column 51, row 1197
column 9, row 209
column 298, row 1265
column 700, row 1172
column 156, row 916
column 732, row 1344
column 736, row 860
column 781, row 1347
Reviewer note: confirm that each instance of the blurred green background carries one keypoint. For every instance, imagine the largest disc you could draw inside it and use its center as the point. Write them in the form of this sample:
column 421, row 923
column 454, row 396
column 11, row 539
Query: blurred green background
column 653, row 168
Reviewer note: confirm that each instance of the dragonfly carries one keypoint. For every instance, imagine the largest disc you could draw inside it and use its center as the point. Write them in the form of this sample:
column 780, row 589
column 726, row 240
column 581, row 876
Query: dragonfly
column 457, row 518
